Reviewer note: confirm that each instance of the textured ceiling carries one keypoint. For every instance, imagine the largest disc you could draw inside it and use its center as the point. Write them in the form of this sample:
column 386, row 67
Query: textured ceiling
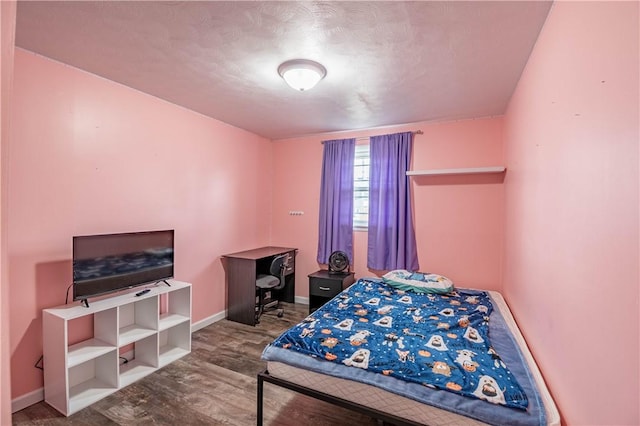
column 387, row 62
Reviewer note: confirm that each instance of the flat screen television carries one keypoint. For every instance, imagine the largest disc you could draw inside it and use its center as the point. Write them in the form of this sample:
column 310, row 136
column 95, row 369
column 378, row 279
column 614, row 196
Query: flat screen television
column 108, row 263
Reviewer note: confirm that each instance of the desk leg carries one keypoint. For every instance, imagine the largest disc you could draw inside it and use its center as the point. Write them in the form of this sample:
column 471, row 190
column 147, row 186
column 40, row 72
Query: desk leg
column 289, row 290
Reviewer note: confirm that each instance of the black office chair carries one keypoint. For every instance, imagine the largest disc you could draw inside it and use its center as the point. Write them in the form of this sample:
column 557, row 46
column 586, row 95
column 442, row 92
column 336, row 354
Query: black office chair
column 267, row 284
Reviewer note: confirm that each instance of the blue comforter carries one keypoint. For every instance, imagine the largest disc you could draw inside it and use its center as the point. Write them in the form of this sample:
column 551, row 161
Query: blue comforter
column 439, row 341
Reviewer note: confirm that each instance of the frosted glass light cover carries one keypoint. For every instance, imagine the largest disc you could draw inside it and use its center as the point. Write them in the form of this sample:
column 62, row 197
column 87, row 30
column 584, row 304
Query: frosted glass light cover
column 302, row 74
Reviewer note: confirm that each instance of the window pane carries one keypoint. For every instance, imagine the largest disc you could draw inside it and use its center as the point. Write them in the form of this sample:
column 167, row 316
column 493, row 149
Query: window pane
column 361, row 187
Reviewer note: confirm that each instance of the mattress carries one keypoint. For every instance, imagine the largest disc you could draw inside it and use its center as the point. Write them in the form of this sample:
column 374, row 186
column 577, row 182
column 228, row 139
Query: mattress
column 402, row 405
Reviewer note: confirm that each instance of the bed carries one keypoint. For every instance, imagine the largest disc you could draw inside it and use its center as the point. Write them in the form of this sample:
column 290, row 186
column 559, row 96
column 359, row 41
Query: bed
column 408, row 358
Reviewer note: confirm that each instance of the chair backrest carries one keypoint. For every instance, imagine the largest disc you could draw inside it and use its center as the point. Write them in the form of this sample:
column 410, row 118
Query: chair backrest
column 278, row 266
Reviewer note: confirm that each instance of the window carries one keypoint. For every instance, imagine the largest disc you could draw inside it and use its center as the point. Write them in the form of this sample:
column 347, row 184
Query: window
column 361, row 187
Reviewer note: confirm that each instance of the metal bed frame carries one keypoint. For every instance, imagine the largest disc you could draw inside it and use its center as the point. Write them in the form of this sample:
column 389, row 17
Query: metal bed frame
column 382, row 417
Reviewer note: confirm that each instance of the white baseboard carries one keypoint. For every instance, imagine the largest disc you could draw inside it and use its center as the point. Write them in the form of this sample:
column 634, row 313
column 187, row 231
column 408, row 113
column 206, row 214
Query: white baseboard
column 223, row 314
column 27, row 400
column 208, row 321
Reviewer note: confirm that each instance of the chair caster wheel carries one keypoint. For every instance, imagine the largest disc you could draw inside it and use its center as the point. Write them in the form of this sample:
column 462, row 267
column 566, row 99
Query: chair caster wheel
column 280, row 314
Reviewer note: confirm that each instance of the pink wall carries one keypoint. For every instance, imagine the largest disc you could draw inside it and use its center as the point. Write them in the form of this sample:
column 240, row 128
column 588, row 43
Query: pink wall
column 7, row 35
column 91, row 156
column 458, row 219
column 571, row 245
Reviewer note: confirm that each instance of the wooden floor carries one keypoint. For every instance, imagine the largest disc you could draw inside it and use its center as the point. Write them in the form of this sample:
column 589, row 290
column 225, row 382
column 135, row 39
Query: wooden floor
column 214, row 385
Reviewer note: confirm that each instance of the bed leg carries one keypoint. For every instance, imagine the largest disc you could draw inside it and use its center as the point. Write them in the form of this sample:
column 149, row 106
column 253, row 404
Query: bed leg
column 260, row 394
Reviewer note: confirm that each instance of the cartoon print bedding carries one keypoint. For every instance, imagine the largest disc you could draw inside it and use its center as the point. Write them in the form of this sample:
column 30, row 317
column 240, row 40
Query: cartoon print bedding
column 439, row 341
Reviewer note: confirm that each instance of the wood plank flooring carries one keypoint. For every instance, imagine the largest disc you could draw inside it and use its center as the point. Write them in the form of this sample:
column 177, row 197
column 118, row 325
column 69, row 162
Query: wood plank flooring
column 214, row 385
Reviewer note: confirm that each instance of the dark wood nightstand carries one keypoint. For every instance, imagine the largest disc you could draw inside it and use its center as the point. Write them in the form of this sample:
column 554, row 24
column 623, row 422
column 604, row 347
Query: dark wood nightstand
column 324, row 286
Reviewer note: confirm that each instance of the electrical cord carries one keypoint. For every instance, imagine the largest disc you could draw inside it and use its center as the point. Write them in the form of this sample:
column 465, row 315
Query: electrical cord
column 41, row 359
column 41, row 362
column 66, row 299
column 125, row 360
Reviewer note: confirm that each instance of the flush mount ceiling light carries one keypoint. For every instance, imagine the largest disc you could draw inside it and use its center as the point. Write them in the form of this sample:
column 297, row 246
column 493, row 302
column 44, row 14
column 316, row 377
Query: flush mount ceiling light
column 302, row 74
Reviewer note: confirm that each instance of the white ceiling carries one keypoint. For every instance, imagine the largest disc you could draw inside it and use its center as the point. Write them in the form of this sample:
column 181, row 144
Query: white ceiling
column 387, row 62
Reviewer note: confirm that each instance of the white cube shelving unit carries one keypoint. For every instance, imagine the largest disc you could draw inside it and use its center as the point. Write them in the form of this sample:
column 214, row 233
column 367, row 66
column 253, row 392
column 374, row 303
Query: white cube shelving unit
column 76, row 376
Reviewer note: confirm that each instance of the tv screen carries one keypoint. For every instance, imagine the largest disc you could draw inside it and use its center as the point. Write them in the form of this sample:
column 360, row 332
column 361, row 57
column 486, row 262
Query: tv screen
column 106, row 263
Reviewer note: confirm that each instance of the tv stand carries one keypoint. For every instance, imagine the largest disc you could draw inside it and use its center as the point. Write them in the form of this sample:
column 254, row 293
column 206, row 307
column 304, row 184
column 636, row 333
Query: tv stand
column 85, row 302
column 166, row 282
column 77, row 374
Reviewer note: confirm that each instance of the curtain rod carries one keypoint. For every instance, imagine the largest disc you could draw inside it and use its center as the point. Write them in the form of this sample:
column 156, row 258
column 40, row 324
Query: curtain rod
column 417, row 132
column 362, row 138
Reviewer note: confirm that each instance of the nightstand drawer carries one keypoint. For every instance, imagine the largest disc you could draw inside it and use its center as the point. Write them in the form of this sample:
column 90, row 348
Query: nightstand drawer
column 327, row 288
column 324, row 286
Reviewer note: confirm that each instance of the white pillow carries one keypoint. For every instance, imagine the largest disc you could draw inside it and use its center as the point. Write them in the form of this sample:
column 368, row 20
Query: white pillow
column 418, row 281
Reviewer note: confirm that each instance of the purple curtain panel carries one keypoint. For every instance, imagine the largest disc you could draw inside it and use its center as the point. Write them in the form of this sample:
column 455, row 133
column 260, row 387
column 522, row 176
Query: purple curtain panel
column 336, row 199
column 392, row 240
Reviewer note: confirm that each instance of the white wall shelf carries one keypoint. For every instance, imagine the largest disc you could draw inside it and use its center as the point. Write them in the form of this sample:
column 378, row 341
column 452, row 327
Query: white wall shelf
column 78, row 375
column 463, row 171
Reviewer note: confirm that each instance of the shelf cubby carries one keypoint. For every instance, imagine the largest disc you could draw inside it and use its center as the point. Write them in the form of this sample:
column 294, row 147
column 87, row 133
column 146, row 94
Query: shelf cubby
column 173, row 344
column 138, row 320
column 144, row 361
column 87, row 350
column 168, row 320
column 92, row 380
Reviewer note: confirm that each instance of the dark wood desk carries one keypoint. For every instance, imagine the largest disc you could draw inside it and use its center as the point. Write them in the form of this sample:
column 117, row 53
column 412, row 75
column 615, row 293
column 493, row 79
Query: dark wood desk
column 242, row 268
